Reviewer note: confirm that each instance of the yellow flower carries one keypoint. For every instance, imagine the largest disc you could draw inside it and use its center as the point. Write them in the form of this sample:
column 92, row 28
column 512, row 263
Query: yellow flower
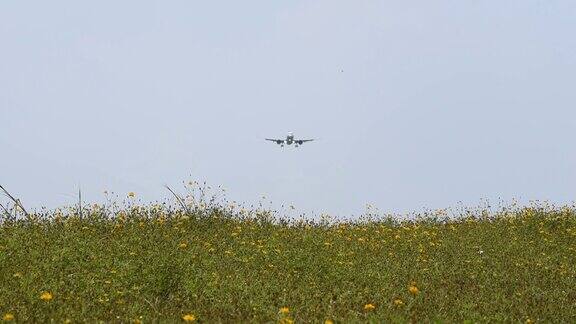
column 183, row 245
column 413, row 289
column 131, row 194
column 328, row 321
column 286, row 321
column 284, row 310
column 8, row 317
column 369, row 307
column 189, row 318
column 398, row 302
column 46, row 296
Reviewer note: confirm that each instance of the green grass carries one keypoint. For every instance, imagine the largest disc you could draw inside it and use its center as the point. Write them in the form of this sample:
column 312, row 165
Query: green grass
column 156, row 263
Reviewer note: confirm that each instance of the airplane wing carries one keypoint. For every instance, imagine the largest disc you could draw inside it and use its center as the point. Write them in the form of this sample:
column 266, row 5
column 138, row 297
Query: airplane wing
column 277, row 141
column 300, row 142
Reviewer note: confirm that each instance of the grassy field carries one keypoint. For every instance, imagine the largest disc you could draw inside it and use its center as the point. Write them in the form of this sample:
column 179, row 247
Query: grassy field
column 159, row 263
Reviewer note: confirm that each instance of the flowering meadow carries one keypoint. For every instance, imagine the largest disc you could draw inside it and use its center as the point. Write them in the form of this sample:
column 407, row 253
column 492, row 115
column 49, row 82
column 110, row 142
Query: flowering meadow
column 214, row 263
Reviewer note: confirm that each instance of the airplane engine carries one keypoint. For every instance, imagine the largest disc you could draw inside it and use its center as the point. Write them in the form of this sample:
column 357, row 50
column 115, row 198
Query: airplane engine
column 278, row 142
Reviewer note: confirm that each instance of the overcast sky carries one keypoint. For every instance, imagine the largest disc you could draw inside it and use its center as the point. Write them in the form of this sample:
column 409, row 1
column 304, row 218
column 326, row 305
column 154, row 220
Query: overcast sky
column 416, row 104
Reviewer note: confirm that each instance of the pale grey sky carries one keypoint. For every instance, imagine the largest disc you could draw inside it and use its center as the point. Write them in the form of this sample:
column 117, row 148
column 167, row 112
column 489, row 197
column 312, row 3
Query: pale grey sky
column 416, row 103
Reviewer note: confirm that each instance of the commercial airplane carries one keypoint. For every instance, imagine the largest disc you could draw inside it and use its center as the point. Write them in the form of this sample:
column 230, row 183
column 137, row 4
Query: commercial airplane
column 289, row 140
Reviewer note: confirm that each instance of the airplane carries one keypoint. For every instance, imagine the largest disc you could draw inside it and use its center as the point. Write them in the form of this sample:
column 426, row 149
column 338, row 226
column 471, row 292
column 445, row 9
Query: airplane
column 289, row 140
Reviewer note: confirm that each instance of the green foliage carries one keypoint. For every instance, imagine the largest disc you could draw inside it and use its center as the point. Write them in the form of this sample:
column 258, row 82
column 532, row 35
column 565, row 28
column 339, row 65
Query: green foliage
column 156, row 263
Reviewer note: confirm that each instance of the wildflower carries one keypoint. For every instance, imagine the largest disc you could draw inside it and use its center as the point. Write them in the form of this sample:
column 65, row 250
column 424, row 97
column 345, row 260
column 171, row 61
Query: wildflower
column 183, row 245
column 413, row 289
column 328, row 321
column 189, row 318
column 46, row 296
column 286, row 321
column 284, row 310
column 8, row 317
column 398, row 302
column 131, row 194
column 369, row 307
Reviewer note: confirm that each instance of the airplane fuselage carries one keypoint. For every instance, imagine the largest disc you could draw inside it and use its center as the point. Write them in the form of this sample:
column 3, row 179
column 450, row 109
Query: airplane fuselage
column 290, row 139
